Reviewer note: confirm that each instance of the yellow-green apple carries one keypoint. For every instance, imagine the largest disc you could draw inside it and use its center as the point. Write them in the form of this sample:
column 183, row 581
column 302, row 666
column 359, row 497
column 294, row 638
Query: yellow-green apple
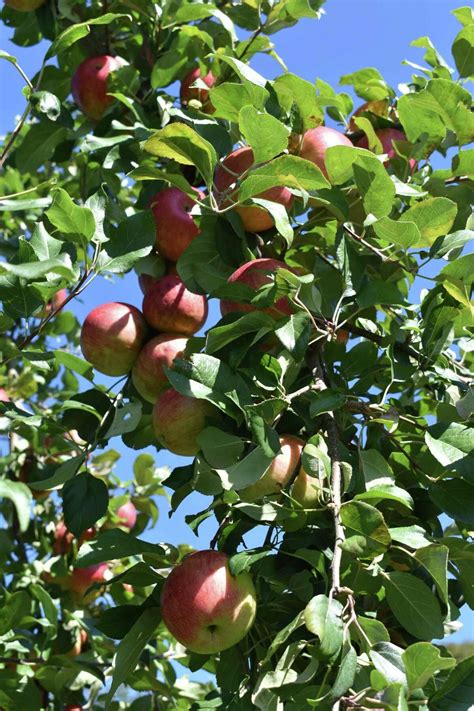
column 178, row 421
column 279, row 472
column 148, row 373
column 175, row 226
column 386, row 137
column 377, row 108
column 306, row 490
column 90, row 84
column 112, row 336
column 171, row 308
column 255, row 219
column 316, row 142
column 24, row 5
column 81, row 579
column 189, row 92
column 204, row 606
column 63, row 538
column 256, row 274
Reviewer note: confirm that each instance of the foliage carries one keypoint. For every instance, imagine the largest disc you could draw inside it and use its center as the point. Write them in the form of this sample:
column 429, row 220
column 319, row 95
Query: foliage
column 351, row 591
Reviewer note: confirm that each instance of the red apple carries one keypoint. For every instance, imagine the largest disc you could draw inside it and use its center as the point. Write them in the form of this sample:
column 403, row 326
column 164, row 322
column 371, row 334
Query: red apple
column 90, row 84
column 386, row 137
column 279, row 472
column 147, row 280
column 63, row 538
column 81, row 579
column 189, row 92
column 24, row 5
column 112, row 336
column 148, row 373
column 57, row 300
column 169, row 307
column 256, row 274
column 179, row 420
column 306, row 490
column 205, row 607
column 255, row 219
column 127, row 514
column 73, row 707
column 316, row 141
column 4, row 397
column 175, row 226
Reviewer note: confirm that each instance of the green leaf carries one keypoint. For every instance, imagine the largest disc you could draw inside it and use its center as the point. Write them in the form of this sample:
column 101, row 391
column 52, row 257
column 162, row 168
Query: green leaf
column 402, row 233
column 21, row 497
column 455, row 694
column 35, row 270
column 368, row 83
column 116, row 622
column 79, row 30
column 253, row 322
column 46, row 601
column 62, row 474
column 264, row 133
column 116, row 544
column 386, row 492
column 181, row 143
column 249, row 470
column 323, row 617
column 463, row 51
column 228, row 99
column 144, row 469
column 126, row 419
column 13, row 610
column 134, row 239
column 346, row 672
column 461, row 555
column 454, row 497
column 414, row 606
column 38, row 145
column 452, row 446
column 434, row 217
column 292, row 90
column 367, row 534
column 46, row 103
column 387, row 659
column 74, row 363
column 326, row 401
column 422, row 661
column 375, row 468
column 85, row 500
column 69, row 219
column 289, row 171
column 220, row 448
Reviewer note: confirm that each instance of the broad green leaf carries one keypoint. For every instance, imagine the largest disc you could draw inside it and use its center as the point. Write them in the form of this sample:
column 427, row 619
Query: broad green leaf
column 70, row 220
column 323, row 617
column 264, row 133
column 434, row 559
column 14, row 609
column 375, row 468
column 292, row 90
column 79, row 30
column 38, row 145
column 220, row 448
column 366, row 532
column 46, row 103
column 253, row 322
column 387, row 659
column 85, row 500
column 74, row 363
column 368, row 83
column 63, row 473
column 401, row 233
column 21, row 497
column 461, row 555
column 454, row 497
column 463, row 51
column 133, row 240
column 289, row 171
column 114, row 544
column 414, row 606
column 455, row 694
column 422, row 661
column 434, row 217
column 126, row 419
column 386, row 492
column 453, row 447
column 228, row 99
column 326, row 401
column 249, row 469
column 346, row 671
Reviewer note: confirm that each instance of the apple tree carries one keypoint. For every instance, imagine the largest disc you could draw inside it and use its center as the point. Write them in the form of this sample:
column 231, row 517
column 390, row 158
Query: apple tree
column 324, row 408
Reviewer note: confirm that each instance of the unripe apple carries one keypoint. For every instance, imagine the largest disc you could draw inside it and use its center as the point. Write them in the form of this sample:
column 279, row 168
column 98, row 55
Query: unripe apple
column 256, row 274
column 306, row 490
column 169, row 307
column 175, row 226
column 90, row 84
column 127, row 514
column 112, row 336
column 148, row 373
column 81, row 579
column 386, row 137
column 279, row 472
column 24, row 5
column 316, row 142
column 255, row 219
column 63, row 538
column 179, row 420
column 188, row 92
column 205, row 607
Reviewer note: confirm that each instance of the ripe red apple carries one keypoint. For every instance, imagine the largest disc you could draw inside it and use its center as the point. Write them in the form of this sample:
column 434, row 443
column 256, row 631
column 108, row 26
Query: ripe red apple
column 4, row 397
column 169, row 307
column 256, row 274
column 306, row 490
column 279, row 472
column 112, row 336
column 63, row 538
column 179, row 420
column 24, row 5
column 386, row 137
column 148, row 372
column 316, row 142
column 255, row 219
column 81, row 579
column 147, row 280
column 188, row 92
column 90, row 84
column 175, row 226
column 205, row 607
column 127, row 514
column 57, row 300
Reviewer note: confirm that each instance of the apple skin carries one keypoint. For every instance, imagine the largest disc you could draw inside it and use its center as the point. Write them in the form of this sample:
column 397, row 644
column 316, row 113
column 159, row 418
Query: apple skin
column 89, row 84
column 175, row 227
column 57, row 300
column 187, row 92
column 386, row 137
column 306, row 490
column 4, row 397
column 112, row 336
column 279, row 472
column 148, row 373
column 63, row 538
column 24, row 5
column 204, row 606
column 171, row 308
column 145, row 281
column 127, row 514
column 178, row 421
column 82, row 578
column 256, row 274
column 316, row 142
column 255, row 219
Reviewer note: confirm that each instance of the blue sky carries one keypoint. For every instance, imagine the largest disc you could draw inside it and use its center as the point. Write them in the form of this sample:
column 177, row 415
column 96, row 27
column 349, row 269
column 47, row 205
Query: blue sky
column 351, row 35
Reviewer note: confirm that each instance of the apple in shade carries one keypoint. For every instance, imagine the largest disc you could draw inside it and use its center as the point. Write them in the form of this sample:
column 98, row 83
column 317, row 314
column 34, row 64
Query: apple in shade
column 148, row 373
column 63, row 538
column 171, row 308
column 178, row 421
column 204, row 606
column 386, row 137
column 112, row 336
column 90, row 84
column 81, row 640
column 306, row 490
column 73, row 707
column 256, row 274
column 82, row 578
column 316, row 142
column 279, row 472
column 24, row 5
column 188, row 92
column 175, row 226
column 255, row 219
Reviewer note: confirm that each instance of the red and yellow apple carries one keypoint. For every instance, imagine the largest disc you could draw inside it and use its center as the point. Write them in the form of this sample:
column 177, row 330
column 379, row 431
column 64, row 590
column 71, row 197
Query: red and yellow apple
column 63, row 538
column 386, row 137
column 254, row 219
column 112, row 336
column 188, row 92
column 24, row 5
column 256, row 274
column 178, row 421
column 279, row 472
column 90, row 84
column 175, row 226
column 205, row 607
column 306, row 490
column 81, row 579
column 171, row 308
column 316, row 142
column 148, row 373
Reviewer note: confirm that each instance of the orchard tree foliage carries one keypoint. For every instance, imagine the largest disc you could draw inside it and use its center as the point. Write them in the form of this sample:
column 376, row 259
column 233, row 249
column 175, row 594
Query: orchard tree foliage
column 330, row 404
